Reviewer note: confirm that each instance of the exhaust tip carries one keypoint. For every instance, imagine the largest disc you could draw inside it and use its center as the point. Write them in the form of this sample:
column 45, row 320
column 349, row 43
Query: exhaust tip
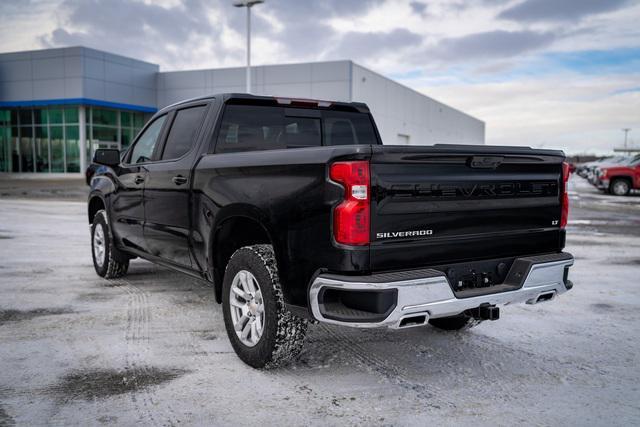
column 548, row 296
column 545, row 296
column 413, row 320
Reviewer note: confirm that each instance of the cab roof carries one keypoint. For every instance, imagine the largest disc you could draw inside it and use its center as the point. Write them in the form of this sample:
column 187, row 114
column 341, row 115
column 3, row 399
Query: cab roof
column 280, row 101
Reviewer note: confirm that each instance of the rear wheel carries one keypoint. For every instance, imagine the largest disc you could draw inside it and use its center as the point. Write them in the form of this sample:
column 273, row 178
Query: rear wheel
column 619, row 187
column 108, row 261
column 263, row 333
column 454, row 323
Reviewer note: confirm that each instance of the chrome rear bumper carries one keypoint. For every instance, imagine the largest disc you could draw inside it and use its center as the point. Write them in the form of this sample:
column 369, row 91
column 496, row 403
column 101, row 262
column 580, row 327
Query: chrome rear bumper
column 428, row 293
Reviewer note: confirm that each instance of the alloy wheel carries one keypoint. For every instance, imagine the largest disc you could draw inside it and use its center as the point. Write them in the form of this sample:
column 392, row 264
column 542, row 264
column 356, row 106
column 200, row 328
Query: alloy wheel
column 99, row 245
column 620, row 188
column 247, row 308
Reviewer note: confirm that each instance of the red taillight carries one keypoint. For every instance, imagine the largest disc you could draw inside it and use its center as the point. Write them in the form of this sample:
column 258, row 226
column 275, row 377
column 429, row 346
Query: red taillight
column 565, row 195
column 351, row 217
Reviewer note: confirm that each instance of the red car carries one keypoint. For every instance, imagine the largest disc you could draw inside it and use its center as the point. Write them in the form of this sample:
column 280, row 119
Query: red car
column 620, row 179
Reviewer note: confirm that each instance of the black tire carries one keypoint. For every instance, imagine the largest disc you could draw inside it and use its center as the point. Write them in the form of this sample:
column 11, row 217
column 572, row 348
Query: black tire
column 114, row 263
column 619, row 187
column 283, row 333
column 454, row 323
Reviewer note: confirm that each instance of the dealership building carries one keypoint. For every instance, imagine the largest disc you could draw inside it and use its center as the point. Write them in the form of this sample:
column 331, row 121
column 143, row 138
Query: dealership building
column 58, row 105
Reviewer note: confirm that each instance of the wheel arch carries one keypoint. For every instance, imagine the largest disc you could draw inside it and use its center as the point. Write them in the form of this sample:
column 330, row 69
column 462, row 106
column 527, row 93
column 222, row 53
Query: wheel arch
column 627, row 178
column 102, row 185
column 238, row 226
column 96, row 203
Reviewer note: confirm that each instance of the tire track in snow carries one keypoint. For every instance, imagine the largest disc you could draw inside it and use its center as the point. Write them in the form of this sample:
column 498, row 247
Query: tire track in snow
column 392, row 373
column 137, row 340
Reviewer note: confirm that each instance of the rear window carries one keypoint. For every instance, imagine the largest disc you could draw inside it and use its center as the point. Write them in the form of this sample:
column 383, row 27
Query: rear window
column 250, row 128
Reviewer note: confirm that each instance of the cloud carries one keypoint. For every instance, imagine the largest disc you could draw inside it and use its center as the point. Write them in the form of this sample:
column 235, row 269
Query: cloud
column 568, row 112
column 558, row 10
column 357, row 45
column 321, row 9
column 491, row 44
column 305, row 32
column 418, row 7
column 142, row 30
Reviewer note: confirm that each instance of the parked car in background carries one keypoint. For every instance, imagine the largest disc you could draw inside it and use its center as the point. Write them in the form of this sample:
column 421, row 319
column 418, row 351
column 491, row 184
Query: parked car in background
column 619, row 179
column 586, row 168
column 583, row 168
column 611, row 161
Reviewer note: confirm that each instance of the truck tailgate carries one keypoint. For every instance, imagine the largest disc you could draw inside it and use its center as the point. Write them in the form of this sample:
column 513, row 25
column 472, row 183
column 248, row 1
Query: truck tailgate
column 437, row 204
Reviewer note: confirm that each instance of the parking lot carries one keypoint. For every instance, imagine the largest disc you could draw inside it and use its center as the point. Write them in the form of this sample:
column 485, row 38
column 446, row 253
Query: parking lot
column 151, row 348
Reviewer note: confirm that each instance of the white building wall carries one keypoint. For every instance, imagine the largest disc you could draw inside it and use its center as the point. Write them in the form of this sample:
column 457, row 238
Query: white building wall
column 322, row 80
column 404, row 115
column 41, row 75
column 76, row 72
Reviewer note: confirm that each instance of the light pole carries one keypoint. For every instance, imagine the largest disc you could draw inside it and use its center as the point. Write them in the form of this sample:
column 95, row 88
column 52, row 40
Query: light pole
column 626, row 132
column 248, row 4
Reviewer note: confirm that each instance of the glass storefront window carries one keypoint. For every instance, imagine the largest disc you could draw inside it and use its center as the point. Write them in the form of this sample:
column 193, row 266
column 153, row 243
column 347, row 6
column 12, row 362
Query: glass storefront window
column 57, row 149
column 14, row 143
column 25, row 117
column 42, row 149
column 14, row 117
column 71, row 115
column 5, row 141
column 5, row 148
column 5, row 117
column 125, row 119
column 126, row 138
column 47, row 139
column 87, row 145
column 73, row 148
column 26, row 149
column 55, row 115
column 40, row 116
column 139, row 120
column 102, row 116
column 106, row 134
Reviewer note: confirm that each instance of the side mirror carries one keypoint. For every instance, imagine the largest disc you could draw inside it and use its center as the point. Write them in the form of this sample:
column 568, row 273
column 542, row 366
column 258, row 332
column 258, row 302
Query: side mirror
column 107, row 156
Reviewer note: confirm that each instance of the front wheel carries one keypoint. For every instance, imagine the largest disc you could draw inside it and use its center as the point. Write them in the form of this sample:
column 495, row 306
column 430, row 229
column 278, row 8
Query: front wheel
column 263, row 333
column 619, row 187
column 108, row 261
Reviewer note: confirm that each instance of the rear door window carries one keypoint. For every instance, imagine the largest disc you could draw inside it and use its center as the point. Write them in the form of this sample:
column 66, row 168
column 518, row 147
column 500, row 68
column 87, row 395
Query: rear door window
column 251, row 128
column 183, row 132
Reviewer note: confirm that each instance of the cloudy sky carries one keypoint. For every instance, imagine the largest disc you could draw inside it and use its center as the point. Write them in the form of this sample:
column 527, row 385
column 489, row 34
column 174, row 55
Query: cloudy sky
column 545, row 73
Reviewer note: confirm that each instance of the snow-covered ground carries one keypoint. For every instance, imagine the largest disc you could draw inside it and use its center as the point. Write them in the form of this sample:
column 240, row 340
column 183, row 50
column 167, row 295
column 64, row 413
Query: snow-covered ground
column 151, row 348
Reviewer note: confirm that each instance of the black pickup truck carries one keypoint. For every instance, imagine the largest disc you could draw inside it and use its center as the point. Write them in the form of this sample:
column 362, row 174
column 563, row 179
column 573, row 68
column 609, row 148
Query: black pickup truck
column 296, row 212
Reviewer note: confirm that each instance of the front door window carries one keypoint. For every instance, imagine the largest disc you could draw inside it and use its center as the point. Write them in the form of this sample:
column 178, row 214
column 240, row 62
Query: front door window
column 143, row 150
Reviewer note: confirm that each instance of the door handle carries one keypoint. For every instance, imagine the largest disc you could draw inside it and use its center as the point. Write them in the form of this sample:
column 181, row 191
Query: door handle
column 179, row 180
column 139, row 179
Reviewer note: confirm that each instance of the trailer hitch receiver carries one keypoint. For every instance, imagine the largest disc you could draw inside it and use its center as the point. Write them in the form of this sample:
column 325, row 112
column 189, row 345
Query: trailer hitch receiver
column 484, row 312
